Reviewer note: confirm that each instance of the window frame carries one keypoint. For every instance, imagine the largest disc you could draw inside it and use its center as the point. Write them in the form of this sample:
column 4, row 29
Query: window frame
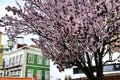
column 39, row 78
column 48, row 75
column 19, row 72
column 29, row 56
column 13, row 60
column 16, row 59
column 39, row 59
column 10, row 61
column 47, row 61
column 20, row 58
column 31, row 73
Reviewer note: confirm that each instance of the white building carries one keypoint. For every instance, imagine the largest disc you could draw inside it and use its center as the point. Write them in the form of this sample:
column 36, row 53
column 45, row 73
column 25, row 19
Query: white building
column 75, row 73
column 26, row 62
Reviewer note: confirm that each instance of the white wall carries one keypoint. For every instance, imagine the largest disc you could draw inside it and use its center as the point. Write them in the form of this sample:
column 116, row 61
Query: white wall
column 114, row 56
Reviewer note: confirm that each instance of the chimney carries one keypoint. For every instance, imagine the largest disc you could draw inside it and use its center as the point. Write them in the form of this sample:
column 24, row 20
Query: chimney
column 20, row 42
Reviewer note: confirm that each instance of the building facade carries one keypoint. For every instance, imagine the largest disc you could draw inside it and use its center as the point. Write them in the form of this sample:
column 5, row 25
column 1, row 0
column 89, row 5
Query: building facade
column 76, row 74
column 26, row 62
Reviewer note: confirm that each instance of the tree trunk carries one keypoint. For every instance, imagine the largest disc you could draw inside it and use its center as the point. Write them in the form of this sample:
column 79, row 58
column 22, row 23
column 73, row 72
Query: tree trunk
column 100, row 69
column 89, row 70
column 99, row 73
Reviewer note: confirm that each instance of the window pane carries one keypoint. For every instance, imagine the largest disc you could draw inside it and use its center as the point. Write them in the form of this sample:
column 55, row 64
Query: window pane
column 31, row 58
column 20, row 60
column 47, row 75
column 19, row 73
column 13, row 60
column 17, row 59
column 47, row 61
column 39, row 75
column 30, row 73
column 10, row 60
column 39, row 59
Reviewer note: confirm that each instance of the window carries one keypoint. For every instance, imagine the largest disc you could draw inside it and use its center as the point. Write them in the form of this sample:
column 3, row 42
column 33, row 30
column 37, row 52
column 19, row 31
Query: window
column 19, row 73
column 30, row 73
column 39, row 60
column 10, row 60
column 106, row 68
column 20, row 62
column 111, row 67
column 47, row 75
column 47, row 61
column 15, row 73
column 39, row 75
column 31, row 58
column 16, row 59
column 11, row 73
column 13, row 60
column 77, row 71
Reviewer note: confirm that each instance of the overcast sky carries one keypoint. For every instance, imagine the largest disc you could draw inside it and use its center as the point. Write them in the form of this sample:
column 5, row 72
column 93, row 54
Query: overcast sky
column 3, row 4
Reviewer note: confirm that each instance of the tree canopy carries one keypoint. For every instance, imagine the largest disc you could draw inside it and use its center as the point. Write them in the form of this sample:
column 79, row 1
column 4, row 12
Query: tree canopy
column 71, row 32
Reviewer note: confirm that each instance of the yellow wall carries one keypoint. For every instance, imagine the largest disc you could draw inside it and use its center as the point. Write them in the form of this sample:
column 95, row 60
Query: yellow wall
column 0, row 37
column 1, row 49
column 1, row 54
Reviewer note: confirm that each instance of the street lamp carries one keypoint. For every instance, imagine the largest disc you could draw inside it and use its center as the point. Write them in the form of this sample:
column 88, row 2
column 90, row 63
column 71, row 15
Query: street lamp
column 11, row 43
